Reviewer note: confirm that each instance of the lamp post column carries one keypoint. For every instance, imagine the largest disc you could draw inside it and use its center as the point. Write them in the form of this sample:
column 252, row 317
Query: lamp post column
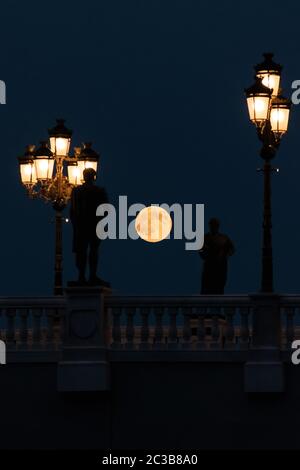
column 267, row 153
column 58, row 282
column 59, row 205
column 267, row 254
column 264, row 370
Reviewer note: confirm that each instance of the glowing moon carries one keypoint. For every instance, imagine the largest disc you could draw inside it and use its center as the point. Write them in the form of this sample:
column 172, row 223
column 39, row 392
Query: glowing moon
column 153, row 224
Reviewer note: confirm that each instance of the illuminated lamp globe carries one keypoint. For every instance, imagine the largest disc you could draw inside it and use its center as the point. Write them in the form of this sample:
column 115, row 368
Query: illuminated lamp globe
column 270, row 73
column 60, row 139
column 258, row 101
column 27, row 167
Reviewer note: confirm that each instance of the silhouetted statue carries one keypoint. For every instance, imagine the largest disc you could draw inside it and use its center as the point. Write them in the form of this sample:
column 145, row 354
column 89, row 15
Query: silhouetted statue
column 215, row 252
column 84, row 202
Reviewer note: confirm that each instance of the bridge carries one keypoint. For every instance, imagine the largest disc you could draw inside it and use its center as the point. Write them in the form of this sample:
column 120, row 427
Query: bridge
column 105, row 371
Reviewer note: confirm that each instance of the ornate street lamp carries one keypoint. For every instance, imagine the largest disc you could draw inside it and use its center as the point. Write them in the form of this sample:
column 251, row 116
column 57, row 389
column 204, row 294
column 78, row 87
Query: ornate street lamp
column 269, row 111
column 42, row 174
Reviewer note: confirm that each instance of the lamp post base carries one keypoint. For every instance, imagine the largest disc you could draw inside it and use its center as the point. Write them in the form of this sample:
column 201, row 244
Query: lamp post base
column 264, row 377
column 264, row 372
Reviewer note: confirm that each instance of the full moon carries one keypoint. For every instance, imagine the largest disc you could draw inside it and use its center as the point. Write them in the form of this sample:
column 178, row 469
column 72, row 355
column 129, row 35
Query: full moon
column 153, row 224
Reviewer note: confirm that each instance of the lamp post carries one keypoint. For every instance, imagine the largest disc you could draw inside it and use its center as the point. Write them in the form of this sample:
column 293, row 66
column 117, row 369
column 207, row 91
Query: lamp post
column 269, row 111
column 42, row 172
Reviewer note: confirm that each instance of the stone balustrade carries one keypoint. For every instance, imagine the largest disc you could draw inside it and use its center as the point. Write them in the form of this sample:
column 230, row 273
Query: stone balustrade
column 147, row 323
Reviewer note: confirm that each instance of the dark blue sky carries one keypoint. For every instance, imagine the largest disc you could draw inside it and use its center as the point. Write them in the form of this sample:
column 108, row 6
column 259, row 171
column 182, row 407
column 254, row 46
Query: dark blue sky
column 157, row 85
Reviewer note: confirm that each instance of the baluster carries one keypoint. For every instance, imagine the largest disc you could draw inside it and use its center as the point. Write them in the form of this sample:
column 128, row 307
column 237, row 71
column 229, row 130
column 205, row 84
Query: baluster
column 144, row 344
column 50, row 314
column 55, row 321
column 107, row 326
column 24, row 313
column 187, row 332
column 158, row 333
column 229, row 330
column 290, row 331
column 130, row 312
column 36, row 327
column 201, row 327
column 10, row 328
column 245, row 332
column 215, row 330
column 59, row 324
column 116, row 328
column 172, row 337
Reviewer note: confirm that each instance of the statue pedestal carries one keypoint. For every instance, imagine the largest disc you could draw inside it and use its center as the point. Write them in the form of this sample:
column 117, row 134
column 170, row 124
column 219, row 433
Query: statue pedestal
column 84, row 365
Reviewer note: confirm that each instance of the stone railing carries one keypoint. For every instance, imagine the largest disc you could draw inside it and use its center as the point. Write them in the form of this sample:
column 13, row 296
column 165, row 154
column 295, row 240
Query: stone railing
column 290, row 319
column 147, row 323
column 174, row 323
column 32, row 323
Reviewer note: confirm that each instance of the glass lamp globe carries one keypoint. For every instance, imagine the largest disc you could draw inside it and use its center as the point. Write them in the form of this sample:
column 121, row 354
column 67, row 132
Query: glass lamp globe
column 279, row 116
column 258, row 101
column 270, row 73
column 44, row 162
column 27, row 167
column 60, row 138
column 87, row 158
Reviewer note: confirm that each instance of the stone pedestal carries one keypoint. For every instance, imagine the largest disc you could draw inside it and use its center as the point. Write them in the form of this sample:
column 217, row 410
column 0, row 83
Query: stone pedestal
column 264, row 372
column 84, row 365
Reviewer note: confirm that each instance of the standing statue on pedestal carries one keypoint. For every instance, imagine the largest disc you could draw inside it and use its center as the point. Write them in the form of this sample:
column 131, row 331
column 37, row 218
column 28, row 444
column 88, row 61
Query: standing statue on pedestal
column 84, row 202
column 215, row 252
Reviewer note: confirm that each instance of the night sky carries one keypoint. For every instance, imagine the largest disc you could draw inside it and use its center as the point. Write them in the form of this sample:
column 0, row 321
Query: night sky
column 158, row 87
